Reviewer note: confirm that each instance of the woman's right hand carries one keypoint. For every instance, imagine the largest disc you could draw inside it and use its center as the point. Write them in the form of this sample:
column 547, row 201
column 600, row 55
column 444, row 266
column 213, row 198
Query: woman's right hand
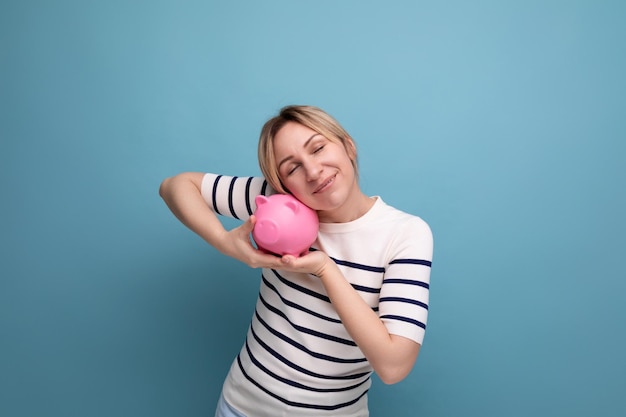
column 237, row 243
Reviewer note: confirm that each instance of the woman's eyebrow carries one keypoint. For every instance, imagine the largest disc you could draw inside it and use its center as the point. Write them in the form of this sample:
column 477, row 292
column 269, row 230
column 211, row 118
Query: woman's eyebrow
column 287, row 158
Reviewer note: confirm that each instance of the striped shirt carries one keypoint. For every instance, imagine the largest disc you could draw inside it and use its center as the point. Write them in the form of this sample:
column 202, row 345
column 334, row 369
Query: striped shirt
column 298, row 359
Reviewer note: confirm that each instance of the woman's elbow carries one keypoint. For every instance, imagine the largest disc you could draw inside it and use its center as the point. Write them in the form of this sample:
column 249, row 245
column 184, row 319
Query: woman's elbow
column 167, row 185
column 392, row 376
column 170, row 184
column 163, row 187
column 397, row 364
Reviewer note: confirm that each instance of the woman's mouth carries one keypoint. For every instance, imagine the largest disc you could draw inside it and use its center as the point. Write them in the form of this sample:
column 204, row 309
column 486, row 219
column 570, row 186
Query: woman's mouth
column 325, row 185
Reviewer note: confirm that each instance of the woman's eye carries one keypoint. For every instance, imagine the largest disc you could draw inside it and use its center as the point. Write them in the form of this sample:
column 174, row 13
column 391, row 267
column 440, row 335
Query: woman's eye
column 319, row 148
column 292, row 170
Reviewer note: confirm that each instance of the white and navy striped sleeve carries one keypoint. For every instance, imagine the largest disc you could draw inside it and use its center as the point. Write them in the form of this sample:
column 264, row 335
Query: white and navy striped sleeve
column 404, row 295
column 233, row 196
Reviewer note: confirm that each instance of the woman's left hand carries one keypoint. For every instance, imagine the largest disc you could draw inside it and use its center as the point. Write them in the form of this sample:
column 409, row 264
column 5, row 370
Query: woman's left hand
column 315, row 262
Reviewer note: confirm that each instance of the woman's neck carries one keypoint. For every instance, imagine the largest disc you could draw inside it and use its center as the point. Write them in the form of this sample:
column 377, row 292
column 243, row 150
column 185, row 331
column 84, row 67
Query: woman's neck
column 355, row 206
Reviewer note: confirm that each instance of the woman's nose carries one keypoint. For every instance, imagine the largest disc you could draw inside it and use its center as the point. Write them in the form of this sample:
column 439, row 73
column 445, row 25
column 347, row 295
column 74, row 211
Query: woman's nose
column 313, row 171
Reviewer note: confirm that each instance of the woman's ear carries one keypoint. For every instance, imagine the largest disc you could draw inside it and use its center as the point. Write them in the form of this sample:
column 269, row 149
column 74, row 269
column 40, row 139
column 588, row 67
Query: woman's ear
column 350, row 148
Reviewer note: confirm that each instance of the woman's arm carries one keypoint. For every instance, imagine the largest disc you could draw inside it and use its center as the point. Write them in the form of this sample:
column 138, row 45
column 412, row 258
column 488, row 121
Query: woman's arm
column 391, row 356
column 182, row 194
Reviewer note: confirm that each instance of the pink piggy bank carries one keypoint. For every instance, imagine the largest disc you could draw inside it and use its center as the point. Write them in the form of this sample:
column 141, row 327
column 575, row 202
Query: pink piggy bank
column 284, row 226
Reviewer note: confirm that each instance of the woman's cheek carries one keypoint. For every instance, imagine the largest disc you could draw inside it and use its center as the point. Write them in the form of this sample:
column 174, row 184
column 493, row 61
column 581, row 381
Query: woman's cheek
column 293, row 186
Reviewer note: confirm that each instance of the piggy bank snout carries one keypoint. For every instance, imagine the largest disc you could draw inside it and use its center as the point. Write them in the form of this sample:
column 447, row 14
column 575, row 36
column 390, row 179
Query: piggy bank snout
column 266, row 231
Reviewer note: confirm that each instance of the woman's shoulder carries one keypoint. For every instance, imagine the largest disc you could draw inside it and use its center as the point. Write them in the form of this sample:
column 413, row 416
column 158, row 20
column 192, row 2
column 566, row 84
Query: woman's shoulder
column 410, row 236
column 402, row 218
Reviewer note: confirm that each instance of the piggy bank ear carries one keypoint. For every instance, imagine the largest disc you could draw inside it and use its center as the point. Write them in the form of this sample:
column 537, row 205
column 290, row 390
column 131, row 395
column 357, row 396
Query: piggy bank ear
column 260, row 200
column 292, row 206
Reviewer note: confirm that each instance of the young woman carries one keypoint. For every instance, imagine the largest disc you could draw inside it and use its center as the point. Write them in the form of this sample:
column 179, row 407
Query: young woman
column 356, row 303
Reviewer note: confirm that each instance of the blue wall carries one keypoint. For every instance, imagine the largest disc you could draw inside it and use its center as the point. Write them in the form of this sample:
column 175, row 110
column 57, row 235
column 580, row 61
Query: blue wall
column 503, row 124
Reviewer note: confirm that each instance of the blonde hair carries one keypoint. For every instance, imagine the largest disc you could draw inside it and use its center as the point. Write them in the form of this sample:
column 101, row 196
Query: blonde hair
column 312, row 117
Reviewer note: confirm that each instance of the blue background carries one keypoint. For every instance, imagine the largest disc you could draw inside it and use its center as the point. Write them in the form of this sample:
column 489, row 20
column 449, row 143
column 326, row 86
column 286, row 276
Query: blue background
column 501, row 123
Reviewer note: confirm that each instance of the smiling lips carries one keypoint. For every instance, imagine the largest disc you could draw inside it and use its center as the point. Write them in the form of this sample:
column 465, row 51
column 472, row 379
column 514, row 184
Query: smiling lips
column 325, row 185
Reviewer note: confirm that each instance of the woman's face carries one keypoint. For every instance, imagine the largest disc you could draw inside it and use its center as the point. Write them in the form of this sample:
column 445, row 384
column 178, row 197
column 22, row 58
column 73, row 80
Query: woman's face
column 317, row 171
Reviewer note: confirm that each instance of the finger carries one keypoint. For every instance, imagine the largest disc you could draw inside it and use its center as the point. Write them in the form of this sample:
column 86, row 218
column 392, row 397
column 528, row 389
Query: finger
column 248, row 225
column 288, row 259
column 265, row 260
